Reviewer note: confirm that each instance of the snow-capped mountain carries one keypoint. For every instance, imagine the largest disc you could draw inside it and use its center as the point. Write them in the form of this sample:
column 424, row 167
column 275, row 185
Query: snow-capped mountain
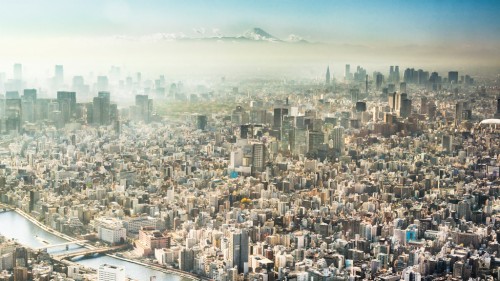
column 253, row 35
column 259, row 34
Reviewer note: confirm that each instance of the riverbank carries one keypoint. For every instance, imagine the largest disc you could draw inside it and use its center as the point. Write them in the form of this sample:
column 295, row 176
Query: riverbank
column 155, row 267
column 163, row 269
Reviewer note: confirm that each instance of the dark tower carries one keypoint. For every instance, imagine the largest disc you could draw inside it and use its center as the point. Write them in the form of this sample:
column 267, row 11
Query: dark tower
column 327, row 76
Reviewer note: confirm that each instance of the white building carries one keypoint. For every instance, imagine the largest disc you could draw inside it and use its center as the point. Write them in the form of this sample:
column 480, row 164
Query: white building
column 107, row 272
column 111, row 230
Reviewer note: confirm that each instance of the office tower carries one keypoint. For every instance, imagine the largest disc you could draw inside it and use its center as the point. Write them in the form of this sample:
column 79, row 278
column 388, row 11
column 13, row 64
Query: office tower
column 315, row 139
column 396, row 74
column 379, row 80
column 107, row 272
column 201, row 122
column 424, row 105
column 360, row 106
column 101, row 109
column 497, row 114
column 279, row 112
column 28, row 110
column 29, row 94
column 405, row 110
column 347, row 73
column 258, row 157
column 102, row 83
column 144, row 108
column 399, row 98
column 67, row 105
column 459, row 109
column 392, row 101
column 298, row 141
column 238, row 249
column 186, row 259
column 12, row 95
column 366, row 84
column 391, row 73
column 58, row 75
column 327, row 81
column 13, row 113
column 338, row 139
column 244, row 129
column 18, row 71
column 447, row 143
column 453, row 77
column 402, row 87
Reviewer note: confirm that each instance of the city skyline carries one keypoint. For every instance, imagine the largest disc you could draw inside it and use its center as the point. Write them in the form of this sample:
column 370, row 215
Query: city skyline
column 203, row 37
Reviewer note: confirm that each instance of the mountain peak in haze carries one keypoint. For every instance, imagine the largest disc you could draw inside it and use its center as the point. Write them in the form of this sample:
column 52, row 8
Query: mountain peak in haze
column 259, row 34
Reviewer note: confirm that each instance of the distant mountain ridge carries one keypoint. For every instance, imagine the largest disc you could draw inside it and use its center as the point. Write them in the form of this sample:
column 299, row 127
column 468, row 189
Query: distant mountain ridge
column 255, row 34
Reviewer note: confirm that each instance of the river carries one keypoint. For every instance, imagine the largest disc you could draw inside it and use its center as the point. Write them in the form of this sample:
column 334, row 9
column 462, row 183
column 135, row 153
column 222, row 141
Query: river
column 15, row 226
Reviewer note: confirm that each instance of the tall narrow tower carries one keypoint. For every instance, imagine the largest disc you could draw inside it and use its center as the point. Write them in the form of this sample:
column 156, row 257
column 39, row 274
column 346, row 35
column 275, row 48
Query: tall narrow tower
column 328, row 75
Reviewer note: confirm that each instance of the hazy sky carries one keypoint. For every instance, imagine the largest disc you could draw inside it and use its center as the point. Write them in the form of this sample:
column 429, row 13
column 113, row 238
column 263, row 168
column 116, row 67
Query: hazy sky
column 126, row 32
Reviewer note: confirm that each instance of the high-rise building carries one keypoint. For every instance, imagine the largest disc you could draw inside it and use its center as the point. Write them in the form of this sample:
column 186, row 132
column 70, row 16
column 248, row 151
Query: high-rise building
column 18, row 71
column 238, row 249
column 279, row 112
column 453, row 77
column 58, row 75
column 144, row 108
column 186, row 259
column 29, row 94
column 315, row 139
column 405, row 109
column 201, row 122
column 379, row 80
column 497, row 114
column 102, row 83
column 392, row 101
column 347, row 73
column 338, row 139
column 107, row 272
column 258, row 157
column 327, row 78
column 447, row 143
column 67, row 105
column 101, row 109
column 459, row 109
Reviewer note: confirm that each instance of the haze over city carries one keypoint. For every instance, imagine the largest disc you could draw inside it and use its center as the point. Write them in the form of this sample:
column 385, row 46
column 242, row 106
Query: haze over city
column 209, row 38
column 254, row 140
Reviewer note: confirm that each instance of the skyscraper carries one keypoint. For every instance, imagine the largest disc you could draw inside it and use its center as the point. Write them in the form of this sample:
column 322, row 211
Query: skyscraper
column 315, row 139
column 258, row 157
column 279, row 112
column 18, row 71
column 238, row 249
column 67, row 104
column 338, row 139
column 327, row 81
column 497, row 114
column 347, row 73
column 101, row 109
column 379, row 80
column 186, row 259
column 405, row 109
column 107, row 272
column 144, row 108
column 58, row 75
column 453, row 77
